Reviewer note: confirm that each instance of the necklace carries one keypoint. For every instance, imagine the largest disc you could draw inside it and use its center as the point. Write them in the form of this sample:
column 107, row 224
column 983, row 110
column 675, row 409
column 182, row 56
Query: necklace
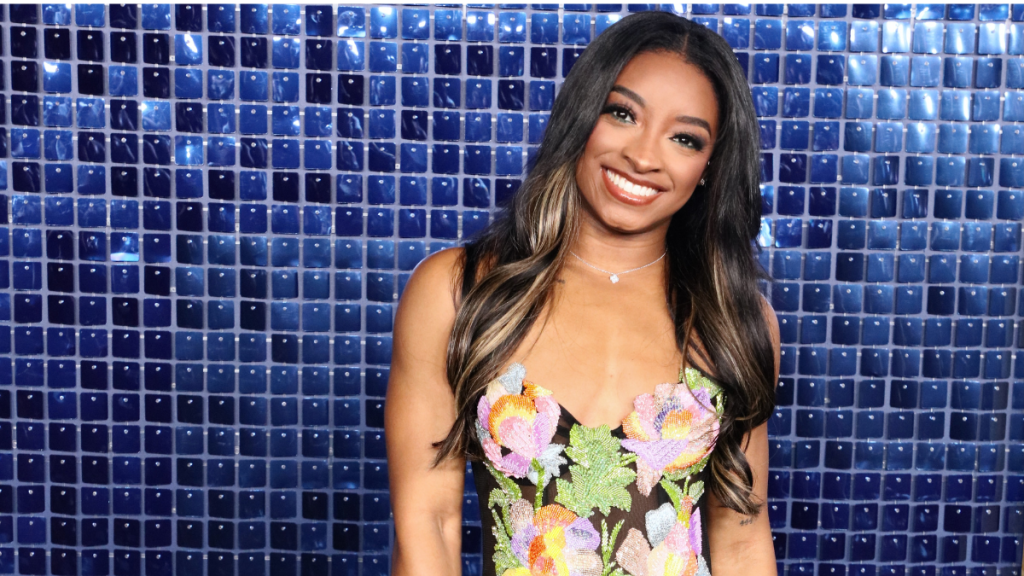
column 614, row 276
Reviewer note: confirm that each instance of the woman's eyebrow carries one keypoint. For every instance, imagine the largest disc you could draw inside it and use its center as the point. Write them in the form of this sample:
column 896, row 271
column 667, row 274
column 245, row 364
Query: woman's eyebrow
column 640, row 101
column 694, row 121
column 629, row 94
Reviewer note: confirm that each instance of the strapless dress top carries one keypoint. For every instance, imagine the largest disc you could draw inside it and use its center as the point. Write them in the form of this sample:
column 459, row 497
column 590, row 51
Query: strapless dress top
column 560, row 498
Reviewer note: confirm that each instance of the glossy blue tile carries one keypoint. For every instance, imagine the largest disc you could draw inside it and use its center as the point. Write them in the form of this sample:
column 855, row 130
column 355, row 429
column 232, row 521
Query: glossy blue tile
column 864, row 36
column 766, row 69
column 156, row 17
column 448, row 25
column 799, row 35
column 415, row 24
column 383, row 22
column 767, row 34
column 286, row 19
column 351, row 22
column 736, row 32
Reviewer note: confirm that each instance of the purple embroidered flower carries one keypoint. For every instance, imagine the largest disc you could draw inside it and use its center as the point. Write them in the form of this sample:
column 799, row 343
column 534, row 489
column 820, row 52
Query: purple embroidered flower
column 669, row 431
column 521, row 418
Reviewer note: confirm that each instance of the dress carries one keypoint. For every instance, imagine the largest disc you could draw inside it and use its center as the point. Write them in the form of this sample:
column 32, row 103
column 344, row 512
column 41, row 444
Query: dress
column 627, row 501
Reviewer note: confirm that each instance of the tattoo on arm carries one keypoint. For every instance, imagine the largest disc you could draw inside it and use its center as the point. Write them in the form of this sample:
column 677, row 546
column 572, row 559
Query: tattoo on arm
column 747, row 520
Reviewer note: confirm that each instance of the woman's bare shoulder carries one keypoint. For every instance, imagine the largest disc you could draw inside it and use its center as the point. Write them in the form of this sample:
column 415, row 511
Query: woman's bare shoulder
column 423, row 326
column 435, row 279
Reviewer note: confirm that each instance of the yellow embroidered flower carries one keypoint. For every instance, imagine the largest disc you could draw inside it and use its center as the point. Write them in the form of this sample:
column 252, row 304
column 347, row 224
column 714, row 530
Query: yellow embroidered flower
column 554, row 542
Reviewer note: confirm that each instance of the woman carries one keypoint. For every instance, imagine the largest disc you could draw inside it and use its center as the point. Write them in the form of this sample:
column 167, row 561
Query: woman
column 624, row 260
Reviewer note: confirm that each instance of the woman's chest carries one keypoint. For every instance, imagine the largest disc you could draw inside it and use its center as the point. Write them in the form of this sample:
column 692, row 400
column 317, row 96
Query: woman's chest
column 596, row 356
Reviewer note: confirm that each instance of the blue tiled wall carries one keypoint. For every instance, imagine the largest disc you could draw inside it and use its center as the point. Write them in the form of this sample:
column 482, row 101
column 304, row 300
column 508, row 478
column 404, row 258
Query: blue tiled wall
column 209, row 213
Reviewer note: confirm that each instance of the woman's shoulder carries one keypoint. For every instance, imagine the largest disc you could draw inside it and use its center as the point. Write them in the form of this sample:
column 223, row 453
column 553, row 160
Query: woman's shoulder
column 442, row 265
column 426, row 311
column 436, row 277
column 432, row 289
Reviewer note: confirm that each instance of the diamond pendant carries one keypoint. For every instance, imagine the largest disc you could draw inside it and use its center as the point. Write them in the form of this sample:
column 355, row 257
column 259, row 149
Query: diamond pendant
column 614, row 278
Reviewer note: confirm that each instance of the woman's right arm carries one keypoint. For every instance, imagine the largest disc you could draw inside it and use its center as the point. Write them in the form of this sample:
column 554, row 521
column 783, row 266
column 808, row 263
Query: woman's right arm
column 419, row 410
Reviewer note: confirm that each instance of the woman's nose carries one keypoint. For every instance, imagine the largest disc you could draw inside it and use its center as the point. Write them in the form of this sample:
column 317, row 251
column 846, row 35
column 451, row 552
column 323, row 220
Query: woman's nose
column 642, row 153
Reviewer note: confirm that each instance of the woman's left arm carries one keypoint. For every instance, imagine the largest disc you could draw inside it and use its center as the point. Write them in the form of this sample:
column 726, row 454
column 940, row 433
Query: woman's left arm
column 742, row 545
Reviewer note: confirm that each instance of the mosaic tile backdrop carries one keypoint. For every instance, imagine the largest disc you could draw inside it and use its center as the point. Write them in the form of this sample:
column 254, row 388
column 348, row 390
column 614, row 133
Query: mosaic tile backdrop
column 210, row 211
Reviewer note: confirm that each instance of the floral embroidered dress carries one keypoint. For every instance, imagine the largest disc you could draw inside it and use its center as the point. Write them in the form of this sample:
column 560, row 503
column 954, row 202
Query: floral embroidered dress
column 559, row 498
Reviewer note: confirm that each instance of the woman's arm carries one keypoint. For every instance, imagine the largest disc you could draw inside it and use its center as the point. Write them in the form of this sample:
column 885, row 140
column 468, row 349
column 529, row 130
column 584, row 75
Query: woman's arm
column 742, row 545
column 419, row 410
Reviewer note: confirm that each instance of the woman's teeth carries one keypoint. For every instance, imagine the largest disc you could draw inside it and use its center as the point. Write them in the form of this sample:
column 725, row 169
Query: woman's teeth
column 629, row 187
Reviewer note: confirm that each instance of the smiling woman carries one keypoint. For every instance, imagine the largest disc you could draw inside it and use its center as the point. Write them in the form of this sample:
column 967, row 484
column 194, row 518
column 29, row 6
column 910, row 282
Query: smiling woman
column 651, row 144
column 623, row 273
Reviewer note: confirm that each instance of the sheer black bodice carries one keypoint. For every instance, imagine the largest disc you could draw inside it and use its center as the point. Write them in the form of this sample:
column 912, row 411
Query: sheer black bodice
column 642, row 483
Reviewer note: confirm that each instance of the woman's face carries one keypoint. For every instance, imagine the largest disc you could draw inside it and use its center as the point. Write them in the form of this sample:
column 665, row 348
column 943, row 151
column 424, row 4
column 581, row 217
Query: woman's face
column 650, row 146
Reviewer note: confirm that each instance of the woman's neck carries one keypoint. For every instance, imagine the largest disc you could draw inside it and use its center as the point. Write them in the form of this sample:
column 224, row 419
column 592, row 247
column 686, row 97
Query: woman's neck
column 615, row 251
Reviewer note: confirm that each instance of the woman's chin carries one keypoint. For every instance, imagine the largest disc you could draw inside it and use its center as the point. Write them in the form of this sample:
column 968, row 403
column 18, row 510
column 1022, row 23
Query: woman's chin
column 629, row 223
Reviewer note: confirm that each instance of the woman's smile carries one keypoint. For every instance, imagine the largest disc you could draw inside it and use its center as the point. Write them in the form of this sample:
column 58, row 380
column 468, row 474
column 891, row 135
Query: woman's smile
column 628, row 190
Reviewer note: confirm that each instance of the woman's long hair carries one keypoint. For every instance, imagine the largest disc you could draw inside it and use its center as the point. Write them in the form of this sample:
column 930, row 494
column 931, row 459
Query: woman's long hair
column 508, row 272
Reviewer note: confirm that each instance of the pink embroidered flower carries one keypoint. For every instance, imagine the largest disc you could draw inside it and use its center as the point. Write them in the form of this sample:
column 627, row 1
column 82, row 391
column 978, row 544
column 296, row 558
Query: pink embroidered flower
column 676, row 553
column 669, row 431
column 521, row 418
column 553, row 542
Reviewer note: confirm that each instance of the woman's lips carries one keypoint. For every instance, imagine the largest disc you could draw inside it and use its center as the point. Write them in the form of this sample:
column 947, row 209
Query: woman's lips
column 626, row 191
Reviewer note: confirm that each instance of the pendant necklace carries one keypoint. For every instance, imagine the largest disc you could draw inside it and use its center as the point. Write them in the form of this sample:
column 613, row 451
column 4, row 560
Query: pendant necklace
column 614, row 276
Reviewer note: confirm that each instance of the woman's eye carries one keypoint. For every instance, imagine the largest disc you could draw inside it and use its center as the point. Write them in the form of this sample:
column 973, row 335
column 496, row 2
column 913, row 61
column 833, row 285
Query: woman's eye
column 620, row 114
column 689, row 142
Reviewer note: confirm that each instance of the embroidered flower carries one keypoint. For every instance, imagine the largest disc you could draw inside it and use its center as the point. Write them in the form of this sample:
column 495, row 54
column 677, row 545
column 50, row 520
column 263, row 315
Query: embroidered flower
column 677, row 550
column 553, row 542
column 669, row 431
column 522, row 418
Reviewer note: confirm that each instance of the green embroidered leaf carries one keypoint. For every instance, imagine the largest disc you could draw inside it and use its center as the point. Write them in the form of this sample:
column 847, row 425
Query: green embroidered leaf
column 674, row 491
column 499, row 500
column 696, row 379
column 599, row 473
column 506, row 483
column 503, row 497
column 696, row 489
column 608, row 545
column 504, row 558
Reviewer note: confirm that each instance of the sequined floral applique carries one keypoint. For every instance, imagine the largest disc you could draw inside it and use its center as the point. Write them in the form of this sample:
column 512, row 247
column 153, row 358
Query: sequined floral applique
column 546, row 540
column 673, row 546
column 554, row 541
column 670, row 436
column 673, row 431
column 516, row 415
